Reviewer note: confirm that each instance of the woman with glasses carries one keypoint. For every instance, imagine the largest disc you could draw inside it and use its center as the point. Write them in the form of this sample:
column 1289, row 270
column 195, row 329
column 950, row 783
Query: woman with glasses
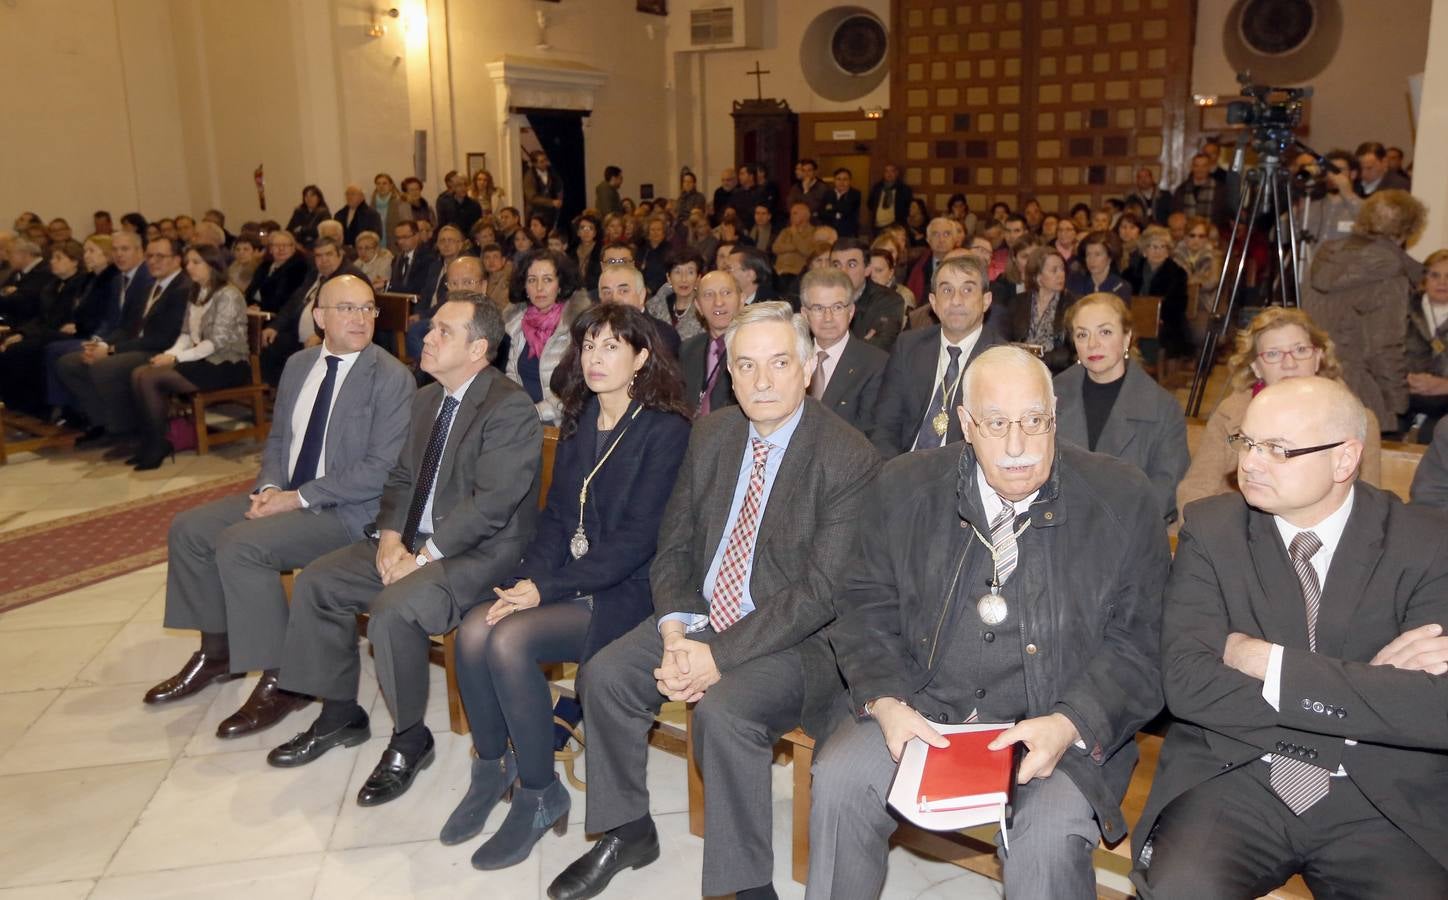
column 584, row 579
column 1279, row 343
column 1108, row 404
column 1199, row 256
column 208, row 355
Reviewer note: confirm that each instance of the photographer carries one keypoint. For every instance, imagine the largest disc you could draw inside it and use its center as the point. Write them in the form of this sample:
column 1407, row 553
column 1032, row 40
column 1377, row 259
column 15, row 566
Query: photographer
column 1331, row 204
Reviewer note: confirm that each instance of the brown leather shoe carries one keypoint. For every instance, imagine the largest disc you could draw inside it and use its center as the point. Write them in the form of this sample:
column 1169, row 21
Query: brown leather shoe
column 267, row 705
column 200, row 670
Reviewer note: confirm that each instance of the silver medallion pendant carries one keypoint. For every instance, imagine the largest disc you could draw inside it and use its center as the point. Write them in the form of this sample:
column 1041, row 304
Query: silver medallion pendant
column 578, row 546
column 992, row 609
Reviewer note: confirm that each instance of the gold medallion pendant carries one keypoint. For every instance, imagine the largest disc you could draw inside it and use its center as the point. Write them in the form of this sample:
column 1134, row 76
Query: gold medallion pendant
column 941, row 422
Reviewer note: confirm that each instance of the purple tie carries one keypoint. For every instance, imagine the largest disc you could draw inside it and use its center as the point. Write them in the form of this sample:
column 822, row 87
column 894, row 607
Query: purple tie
column 714, row 363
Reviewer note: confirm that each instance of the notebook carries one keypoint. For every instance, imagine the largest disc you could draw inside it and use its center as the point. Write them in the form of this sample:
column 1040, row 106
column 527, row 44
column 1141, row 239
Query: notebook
column 962, row 786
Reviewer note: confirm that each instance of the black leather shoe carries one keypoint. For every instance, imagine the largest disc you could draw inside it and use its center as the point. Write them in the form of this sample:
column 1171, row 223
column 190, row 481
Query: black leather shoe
column 267, row 705
column 589, row 874
column 393, row 775
column 309, row 745
column 199, row 672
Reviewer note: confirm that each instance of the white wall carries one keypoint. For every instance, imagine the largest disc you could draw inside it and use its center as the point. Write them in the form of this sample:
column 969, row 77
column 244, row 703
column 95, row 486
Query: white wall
column 1363, row 93
column 1430, row 174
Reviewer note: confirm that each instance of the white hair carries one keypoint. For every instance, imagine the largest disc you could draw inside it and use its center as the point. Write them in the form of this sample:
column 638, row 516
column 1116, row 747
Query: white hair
column 1008, row 362
column 772, row 311
column 635, row 277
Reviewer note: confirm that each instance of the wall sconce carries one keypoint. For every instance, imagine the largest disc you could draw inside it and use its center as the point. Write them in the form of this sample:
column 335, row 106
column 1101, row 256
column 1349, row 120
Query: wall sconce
column 379, row 27
column 874, row 112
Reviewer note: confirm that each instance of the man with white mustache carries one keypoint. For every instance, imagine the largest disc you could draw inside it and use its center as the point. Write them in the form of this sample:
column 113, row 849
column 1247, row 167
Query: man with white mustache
column 1006, row 579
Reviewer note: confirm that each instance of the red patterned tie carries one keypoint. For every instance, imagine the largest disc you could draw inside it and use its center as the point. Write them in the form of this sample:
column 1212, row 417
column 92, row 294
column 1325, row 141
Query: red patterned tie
column 734, row 568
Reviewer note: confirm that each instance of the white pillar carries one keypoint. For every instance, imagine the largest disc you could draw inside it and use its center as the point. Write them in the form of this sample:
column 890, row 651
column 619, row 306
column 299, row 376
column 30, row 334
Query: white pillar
column 1430, row 163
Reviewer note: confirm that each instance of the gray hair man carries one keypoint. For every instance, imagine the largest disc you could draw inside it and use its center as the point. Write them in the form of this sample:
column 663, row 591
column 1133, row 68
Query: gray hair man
column 848, row 371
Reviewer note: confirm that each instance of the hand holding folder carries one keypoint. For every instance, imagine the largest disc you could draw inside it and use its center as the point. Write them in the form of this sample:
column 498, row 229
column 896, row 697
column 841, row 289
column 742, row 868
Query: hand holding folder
column 959, row 786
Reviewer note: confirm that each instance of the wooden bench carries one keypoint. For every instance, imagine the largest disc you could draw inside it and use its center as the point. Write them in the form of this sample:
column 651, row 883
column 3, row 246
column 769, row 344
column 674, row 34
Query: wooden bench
column 42, row 435
column 253, row 394
column 973, row 849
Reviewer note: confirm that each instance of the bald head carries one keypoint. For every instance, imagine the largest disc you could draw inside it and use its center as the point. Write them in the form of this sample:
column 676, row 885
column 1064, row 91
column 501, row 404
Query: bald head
column 345, row 314
column 1315, row 414
column 465, row 274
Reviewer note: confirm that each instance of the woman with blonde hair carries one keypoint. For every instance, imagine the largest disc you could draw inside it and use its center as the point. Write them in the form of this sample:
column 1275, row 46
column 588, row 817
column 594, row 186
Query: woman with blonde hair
column 1358, row 291
column 483, row 190
column 1279, row 343
column 1108, row 404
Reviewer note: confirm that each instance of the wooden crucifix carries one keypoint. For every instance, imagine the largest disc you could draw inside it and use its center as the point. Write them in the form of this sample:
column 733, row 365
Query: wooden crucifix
column 758, row 74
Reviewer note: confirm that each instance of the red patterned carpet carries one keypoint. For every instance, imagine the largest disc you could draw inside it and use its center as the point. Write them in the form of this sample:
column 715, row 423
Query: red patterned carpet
column 69, row 553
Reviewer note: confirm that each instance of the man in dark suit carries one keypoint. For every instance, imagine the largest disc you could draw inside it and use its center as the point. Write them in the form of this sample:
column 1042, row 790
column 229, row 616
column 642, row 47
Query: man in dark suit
column 848, row 371
column 707, row 382
column 1011, row 579
column 759, row 525
column 278, row 278
column 841, row 209
column 1156, row 202
column 922, row 381
column 458, row 508
column 879, row 311
column 294, row 327
column 889, row 201
column 415, row 266
column 1206, row 192
column 456, row 208
column 357, row 217
column 625, row 285
column 449, row 247
column 728, row 181
column 1374, row 173
column 99, row 376
column 21, row 293
column 542, row 189
column 130, row 289
column 809, row 190
column 1303, row 660
column 341, row 416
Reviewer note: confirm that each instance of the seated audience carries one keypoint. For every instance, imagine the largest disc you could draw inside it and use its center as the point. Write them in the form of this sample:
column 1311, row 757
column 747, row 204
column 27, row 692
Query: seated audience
column 357, row 217
column 22, row 293
column 341, row 417
column 98, row 377
column 545, row 291
column 1430, row 481
column 674, row 302
column 917, row 221
column 889, row 200
column 1156, row 274
column 1427, row 347
column 310, row 213
column 583, row 580
column 457, row 510
column 449, row 248
column 1065, row 243
column 1038, row 316
column 415, row 265
column 1128, row 233
column 211, row 353
column 1302, row 660
column 751, row 270
column 923, row 378
column 1074, row 551
column 294, row 327
column 1278, row 344
column 1154, row 202
column 1108, row 404
column 690, row 197
column 882, row 272
column 1097, row 274
column 497, row 278
column 793, row 243
column 248, row 252
column 841, row 208
column 761, row 231
column 943, row 236
column 415, row 207
column 747, row 647
column 279, row 275
column 1358, row 291
column 456, row 208
column 707, row 380
column 625, row 285
column 374, row 260
column 22, row 350
column 848, row 369
column 1199, row 257
column 654, row 254
column 1204, row 193
column 879, row 312
column 483, row 190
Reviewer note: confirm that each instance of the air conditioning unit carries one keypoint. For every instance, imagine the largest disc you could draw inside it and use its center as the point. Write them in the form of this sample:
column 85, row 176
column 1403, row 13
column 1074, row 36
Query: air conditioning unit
column 725, row 25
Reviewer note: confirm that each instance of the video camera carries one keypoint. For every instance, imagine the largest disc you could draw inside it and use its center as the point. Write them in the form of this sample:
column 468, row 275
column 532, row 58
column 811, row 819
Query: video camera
column 1273, row 114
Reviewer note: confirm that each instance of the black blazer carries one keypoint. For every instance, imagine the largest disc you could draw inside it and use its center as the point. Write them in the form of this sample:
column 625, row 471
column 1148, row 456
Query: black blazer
column 903, row 195
column 1231, row 573
column 98, row 311
column 694, row 358
column 908, row 386
column 24, row 293
column 123, row 314
column 1059, row 357
column 854, row 385
column 287, row 320
column 57, row 307
column 421, row 273
column 842, row 213
column 625, row 506
column 881, row 310
column 271, row 287
column 159, row 329
column 365, row 218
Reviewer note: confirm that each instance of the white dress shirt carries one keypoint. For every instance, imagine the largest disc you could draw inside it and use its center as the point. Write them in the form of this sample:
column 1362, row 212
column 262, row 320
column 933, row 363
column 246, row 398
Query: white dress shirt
column 425, row 524
column 306, row 399
column 826, row 368
column 942, row 364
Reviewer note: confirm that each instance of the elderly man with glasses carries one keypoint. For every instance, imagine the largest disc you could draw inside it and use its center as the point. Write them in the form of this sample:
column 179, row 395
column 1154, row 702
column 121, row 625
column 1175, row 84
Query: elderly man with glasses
column 340, row 421
column 1012, row 579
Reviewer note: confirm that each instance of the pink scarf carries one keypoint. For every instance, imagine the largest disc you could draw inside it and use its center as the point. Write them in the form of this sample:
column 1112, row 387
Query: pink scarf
column 539, row 325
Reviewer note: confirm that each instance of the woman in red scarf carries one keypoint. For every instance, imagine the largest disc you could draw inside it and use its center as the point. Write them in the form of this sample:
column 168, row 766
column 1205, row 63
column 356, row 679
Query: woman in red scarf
column 538, row 330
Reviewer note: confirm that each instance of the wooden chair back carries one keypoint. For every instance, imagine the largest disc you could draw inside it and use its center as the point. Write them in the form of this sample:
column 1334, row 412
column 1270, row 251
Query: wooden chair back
column 550, row 450
column 256, row 321
column 393, row 310
column 1145, row 317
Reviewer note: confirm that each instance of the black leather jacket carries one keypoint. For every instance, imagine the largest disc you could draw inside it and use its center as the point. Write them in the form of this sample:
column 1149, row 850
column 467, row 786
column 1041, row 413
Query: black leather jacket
column 1097, row 547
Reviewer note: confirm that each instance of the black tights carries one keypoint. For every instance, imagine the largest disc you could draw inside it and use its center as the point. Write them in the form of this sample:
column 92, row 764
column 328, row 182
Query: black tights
column 153, row 386
column 502, row 683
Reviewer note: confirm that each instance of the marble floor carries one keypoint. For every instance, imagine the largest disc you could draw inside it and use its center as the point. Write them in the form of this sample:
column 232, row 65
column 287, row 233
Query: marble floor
column 107, row 798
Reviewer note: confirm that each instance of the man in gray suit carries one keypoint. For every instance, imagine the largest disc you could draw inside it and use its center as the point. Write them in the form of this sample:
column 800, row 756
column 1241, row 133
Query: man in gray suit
column 848, row 371
column 458, row 508
column 1303, row 660
column 759, row 526
column 1013, row 578
column 341, row 416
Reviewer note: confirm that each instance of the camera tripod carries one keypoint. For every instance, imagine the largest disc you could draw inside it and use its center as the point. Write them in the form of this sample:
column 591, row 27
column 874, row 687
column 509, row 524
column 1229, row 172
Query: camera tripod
column 1267, row 188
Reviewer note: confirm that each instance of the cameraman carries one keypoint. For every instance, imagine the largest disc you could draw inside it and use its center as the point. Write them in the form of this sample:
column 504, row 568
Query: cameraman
column 1335, row 204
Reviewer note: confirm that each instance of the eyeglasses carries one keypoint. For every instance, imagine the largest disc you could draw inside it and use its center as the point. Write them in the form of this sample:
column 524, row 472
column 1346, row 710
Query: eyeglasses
column 1273, row 451
column 999, row 426
column 1301, row 351
column 348, row 309
column 617, row 261
column 834, row 309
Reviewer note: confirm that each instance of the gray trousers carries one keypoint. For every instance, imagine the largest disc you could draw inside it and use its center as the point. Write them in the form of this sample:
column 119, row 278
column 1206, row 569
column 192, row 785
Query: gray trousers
column 223, row 573
column 320, row 655
column 1052, row 835
column 735, row 726
column 102, row 389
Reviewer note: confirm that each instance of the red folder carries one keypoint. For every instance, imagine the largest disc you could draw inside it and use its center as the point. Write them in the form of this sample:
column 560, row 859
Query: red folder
column 966, row 775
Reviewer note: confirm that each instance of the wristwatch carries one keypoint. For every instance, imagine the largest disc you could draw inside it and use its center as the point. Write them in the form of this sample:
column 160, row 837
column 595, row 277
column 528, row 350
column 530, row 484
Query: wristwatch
column 421, row 559
column 869, row 708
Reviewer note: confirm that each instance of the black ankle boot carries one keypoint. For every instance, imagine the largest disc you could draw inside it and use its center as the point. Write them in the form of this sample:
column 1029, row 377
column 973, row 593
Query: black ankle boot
column 492, row 781
column 532, row 814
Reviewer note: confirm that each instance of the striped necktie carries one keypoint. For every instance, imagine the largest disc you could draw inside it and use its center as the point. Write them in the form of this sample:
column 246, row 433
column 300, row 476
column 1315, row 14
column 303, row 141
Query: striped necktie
column 1300, row 784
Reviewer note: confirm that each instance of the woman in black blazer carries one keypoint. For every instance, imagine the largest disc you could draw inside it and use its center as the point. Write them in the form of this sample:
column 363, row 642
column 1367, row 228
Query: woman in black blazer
column 584, row 579
column 1156, row 274
column 310, row 213
column 1038, row 314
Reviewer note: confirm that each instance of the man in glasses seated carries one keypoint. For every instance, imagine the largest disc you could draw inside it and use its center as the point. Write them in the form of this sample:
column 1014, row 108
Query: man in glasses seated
column 1010, row 578
column 340, row 420
column 1303, row 658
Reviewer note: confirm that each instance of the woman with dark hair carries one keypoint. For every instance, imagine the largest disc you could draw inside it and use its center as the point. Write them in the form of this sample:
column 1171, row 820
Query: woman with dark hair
column 587, row 249
column 310, row 213
column 538, row 228
column 523, row 244
column 959, row 209
column 22, row 351
column 654, row 254
column 545, row 287
column 690, row 197
column 414, row 204
column 209, row 354
column 1038, row 315
column 584, row 578
column 1097, row 252
column 134, row 222
column 1128, row 233
column 916, row 221
column 999, row 212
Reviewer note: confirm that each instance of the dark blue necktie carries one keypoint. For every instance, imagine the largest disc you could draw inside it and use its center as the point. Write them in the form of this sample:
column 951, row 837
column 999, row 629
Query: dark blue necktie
column 306, row 468
column 928, row 438
column 428, row 474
